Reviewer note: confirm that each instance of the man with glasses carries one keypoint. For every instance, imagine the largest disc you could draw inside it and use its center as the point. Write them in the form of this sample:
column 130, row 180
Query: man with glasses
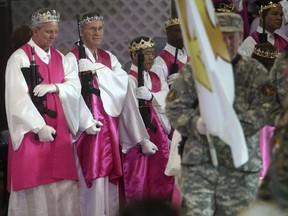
column 104, row 85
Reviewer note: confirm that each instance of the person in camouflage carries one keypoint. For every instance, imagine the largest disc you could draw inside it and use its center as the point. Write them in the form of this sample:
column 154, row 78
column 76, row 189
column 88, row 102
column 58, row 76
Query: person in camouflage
column 223, row 190
column 272, row 197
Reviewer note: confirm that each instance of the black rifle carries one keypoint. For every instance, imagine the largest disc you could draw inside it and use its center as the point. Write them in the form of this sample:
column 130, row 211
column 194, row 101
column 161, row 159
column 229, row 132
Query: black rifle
column 263, row 36
column 174, row 66
column 87, row 76
column 34, row 78
column 143, row 108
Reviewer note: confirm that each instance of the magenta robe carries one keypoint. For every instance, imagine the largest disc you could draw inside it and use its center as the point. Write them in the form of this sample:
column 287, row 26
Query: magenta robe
column 144, row 175
column 99, row 155
column 280, row 42
column 36, row 163
column 169, row 60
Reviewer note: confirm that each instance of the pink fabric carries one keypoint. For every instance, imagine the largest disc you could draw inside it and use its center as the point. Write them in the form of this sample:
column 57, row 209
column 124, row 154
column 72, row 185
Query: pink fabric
column 169, row 60
column 99, row 155
column 36, row 163
column 103, row 56
column 144, row 175
column 176, row 198
column 280, row 42
column 265, row 138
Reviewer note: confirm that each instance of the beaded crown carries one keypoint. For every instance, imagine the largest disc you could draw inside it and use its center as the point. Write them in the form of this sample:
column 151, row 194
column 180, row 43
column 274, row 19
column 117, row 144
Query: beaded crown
column 225, row 8
column 89, row 19
column 271, row 4
column 265, row 53
column 47, row 16
column 171, row 21
column 133, row 47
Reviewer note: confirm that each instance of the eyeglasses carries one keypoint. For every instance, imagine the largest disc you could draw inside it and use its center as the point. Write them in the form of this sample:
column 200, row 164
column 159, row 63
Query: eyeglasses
column 95, row 29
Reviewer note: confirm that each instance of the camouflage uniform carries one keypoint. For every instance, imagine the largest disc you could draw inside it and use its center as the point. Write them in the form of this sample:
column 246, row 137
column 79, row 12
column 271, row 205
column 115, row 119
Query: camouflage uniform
column 280, row 82
column 272, row 196
column 224, row 188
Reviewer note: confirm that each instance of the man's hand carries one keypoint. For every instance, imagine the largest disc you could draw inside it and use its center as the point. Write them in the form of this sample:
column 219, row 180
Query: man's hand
column 201, row 126
column 95, row 128
column 143, row 93
column 46, row 133
column 42, row 89
column 172, row 78
column 147, row 147
column 86, row 65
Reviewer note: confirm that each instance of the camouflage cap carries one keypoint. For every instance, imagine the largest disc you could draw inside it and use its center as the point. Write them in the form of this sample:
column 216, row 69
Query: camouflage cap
column 230, row 22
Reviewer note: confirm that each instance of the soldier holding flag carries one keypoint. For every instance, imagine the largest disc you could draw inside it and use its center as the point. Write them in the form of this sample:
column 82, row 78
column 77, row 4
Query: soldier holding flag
column 225, row 188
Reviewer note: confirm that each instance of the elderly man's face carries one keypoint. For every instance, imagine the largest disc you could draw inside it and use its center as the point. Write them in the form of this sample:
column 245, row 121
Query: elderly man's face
column 232, row 40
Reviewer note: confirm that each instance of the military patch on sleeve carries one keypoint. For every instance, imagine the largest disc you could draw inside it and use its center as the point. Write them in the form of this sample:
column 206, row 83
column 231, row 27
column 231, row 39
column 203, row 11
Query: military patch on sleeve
column 171, row 95
column 268, row 90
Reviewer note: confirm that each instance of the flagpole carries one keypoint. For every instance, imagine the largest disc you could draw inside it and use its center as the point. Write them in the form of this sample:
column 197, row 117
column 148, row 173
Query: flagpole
column 212, row 150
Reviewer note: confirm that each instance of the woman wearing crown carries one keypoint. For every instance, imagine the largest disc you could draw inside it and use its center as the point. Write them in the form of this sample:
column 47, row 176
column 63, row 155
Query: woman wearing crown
column 42, row 173
column 271, row 18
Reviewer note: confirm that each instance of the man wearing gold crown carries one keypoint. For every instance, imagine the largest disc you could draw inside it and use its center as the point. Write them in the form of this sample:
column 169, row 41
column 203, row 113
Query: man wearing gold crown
column 42, row 173
column 220, row 190
column 271, row 18
column 173, row 56
column 98, row 150
column 144, row 128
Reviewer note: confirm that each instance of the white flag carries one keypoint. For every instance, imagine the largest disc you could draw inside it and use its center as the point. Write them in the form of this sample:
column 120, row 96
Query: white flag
column 213, row 74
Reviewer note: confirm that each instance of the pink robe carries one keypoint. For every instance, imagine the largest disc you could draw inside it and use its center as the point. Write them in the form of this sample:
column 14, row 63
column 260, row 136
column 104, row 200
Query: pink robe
column 169, row 60
column 280, row 42
column 99, row 155
column 144, row 175
column 37, row 163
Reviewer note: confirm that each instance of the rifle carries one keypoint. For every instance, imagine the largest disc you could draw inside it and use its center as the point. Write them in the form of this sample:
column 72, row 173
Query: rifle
column 143, row 108
column 86, row 77
column 34, row 78
column 174, row 66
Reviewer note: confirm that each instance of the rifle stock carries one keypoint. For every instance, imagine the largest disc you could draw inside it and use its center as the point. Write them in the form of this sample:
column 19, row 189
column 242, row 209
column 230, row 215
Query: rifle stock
column 34, row 78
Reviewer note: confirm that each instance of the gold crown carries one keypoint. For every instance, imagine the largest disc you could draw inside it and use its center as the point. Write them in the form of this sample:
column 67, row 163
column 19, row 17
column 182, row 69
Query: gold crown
column 171, row 21
column 265, row 54
column 46, row 16
column 225, row 8
column 90, row 19
column 268, row 6
column 133, row 47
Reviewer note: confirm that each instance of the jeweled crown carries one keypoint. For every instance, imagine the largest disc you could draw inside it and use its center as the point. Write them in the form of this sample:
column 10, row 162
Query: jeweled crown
column 268, row 6
column 90, row 19
column 133, row 47
column 47, row 16
column 225, row 8
column 171, row 21
column 265, row 53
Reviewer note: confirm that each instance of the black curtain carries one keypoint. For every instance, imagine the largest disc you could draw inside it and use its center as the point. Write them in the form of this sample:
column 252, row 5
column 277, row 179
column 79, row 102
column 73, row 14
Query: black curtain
column 5, row 32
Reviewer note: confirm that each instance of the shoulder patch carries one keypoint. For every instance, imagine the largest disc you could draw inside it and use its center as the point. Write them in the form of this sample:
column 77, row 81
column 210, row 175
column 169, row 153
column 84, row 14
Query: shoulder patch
column 171, row 95
column 268, row 90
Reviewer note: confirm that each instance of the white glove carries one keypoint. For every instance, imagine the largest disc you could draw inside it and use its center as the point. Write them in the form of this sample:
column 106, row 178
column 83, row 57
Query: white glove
column 46, row 134
column 172, row 78
column 42, row 89
column 143, row 93
column 125, row 150
column 95, row 128
column 147, row 147
column 201, row 126
column 86, row 65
